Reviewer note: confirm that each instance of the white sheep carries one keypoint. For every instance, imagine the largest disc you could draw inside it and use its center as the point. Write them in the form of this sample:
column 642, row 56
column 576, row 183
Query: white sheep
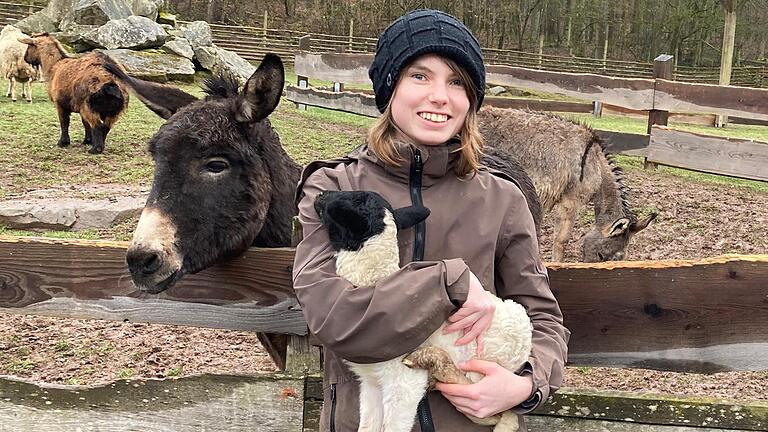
column 362, row 229
column 12, row 64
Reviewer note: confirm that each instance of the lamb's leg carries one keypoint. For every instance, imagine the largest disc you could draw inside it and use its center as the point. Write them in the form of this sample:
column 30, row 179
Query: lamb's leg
column 12, row 89
column 8, row 93
column 64, row 124
column 508, row 423
column 565, row 216
column 371, row 408
column 26, row 90
column 438, row 363
column 401, row 394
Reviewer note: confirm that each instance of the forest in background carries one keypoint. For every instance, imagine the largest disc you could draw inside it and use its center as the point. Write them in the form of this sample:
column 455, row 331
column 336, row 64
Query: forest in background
column 635, row 30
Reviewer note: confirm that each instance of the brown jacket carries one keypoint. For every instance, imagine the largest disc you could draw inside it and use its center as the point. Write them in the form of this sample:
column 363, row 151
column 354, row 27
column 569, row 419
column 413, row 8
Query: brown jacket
column 478, row 222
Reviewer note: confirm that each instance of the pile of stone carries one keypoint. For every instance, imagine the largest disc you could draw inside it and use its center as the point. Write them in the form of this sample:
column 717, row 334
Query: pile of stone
column 146, row 40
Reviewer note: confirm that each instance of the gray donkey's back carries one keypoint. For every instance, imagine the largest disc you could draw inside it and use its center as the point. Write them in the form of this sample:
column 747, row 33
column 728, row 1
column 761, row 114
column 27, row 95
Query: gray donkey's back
column 569, row 168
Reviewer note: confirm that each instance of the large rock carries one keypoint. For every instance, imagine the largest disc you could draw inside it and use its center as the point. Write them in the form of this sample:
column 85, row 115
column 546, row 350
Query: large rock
column 154, row 66
column 227, row 62
column 95, row 12
column 47, row 19
column 134, row 32
column 69, row 213
column 180, row 47
column 147, row 8
column 198, row 33
column 220, row 61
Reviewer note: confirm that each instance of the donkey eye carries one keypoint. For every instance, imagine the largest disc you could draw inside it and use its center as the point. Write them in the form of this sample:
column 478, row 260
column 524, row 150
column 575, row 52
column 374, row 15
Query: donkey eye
column 216, row 165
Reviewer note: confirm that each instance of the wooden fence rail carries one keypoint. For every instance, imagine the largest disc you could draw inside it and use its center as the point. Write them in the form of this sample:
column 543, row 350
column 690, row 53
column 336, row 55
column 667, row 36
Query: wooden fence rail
column 693, row 315
column 733, row 157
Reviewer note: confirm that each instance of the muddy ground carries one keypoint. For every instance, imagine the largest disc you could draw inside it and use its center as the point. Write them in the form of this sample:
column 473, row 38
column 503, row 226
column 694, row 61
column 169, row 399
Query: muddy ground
column 696, row 220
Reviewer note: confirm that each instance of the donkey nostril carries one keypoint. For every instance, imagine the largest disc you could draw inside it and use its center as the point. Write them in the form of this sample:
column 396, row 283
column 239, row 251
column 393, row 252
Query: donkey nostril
column 146, row 262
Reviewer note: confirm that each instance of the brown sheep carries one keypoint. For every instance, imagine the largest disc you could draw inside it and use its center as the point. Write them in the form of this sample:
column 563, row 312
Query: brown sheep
column 80, row 85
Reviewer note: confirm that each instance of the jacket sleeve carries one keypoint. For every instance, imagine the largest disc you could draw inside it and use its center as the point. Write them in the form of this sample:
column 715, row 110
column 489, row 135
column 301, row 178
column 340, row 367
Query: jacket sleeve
column 522, row 277
column 367, row 324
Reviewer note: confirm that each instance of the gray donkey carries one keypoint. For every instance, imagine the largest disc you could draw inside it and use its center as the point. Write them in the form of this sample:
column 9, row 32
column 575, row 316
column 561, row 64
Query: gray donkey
column 569, row 167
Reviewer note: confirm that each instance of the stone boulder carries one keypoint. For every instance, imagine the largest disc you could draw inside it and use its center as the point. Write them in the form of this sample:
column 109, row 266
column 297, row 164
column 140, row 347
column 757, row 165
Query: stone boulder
column 198, row 33
column 180, row 47
column 154, row 66
column 220, row 61
column 47, row 19
column 147, row 8
column 95, row 12
column 68, row 213
column 134, row 32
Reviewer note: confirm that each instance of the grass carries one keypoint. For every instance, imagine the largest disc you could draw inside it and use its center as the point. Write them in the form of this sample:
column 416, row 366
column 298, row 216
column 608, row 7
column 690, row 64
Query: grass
column 32, row 160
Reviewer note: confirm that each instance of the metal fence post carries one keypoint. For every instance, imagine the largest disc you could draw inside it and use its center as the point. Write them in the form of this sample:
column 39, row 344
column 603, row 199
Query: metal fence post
column 305, row 43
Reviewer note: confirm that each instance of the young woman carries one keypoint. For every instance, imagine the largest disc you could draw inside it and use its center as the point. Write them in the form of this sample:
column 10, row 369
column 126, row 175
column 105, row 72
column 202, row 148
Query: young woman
column 429, row 80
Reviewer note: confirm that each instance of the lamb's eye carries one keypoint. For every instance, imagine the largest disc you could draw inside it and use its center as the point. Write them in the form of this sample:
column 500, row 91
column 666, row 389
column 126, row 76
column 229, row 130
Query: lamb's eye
column 216, row 165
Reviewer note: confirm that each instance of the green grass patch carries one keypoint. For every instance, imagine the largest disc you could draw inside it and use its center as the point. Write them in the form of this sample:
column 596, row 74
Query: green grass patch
column 19, row 365
column 125, row 373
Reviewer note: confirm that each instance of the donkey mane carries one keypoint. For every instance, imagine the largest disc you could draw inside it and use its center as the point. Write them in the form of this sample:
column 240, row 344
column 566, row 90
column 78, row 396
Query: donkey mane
column 221, row 86
column 617, row 171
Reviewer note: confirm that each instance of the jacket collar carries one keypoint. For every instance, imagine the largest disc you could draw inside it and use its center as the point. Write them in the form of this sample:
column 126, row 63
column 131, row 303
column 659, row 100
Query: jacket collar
column 437, row 161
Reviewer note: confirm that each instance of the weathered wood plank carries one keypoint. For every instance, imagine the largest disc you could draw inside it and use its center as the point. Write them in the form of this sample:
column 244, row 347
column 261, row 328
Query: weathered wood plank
column 335, row 67
column 682, row 97
column 705, row 315
column 656, row 409
column 201, row 403
column 624, row 143
column 538, row 104
column 634, row 93
column 565, row 424
column 89, row 279
column 351, row 102
column 728, row 156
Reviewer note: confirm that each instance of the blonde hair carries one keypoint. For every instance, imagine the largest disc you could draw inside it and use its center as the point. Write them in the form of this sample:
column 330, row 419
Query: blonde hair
column 382, row 134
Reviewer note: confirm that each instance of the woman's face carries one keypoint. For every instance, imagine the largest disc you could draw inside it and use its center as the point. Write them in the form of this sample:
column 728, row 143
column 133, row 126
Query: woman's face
column 430, row 103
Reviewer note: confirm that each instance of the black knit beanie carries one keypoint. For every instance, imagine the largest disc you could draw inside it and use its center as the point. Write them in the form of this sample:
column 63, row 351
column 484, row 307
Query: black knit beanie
column 424, row 31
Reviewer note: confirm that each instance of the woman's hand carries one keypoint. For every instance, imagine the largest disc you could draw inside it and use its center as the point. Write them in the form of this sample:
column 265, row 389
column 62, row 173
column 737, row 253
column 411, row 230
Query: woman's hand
column 475, row 315
column 498, row 391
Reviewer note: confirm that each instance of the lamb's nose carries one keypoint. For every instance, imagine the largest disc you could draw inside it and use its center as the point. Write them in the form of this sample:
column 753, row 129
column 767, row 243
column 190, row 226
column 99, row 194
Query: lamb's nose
column 143, row 262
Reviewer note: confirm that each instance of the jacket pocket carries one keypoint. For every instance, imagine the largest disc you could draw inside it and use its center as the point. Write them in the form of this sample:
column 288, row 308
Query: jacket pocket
column 333, row 408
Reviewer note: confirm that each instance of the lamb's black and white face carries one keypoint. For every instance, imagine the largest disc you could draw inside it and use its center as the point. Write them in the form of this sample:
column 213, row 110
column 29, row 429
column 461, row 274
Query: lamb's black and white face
column 354, row 217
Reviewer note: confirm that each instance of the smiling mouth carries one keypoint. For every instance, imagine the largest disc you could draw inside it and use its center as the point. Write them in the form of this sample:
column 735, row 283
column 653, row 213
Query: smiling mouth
column 435, row 118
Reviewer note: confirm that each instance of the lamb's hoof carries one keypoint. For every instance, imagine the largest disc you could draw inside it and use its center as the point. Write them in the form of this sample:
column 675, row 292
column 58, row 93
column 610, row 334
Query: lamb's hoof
column 13, row 100
column 63, row 143
column 96, row 150
column 87, row 141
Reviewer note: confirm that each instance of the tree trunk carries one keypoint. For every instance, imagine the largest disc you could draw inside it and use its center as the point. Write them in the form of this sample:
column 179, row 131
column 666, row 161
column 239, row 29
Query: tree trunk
column 726, row 59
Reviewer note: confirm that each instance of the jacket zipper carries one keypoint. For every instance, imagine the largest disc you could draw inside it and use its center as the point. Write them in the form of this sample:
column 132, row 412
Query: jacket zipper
column 414, row 181
column 417, row 168
column 333, row 407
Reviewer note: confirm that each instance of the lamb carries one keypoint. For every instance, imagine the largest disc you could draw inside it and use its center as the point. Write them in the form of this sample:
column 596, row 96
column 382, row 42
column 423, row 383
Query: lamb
column 79, row 85
column 12, row 64
column 362, row 230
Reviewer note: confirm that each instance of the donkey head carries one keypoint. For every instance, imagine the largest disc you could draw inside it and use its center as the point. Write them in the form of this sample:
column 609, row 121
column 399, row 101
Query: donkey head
column 609, row 241
column 212, row 187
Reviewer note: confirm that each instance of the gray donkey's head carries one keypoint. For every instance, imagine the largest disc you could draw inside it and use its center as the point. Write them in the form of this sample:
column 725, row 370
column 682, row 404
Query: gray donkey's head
column 608, row 241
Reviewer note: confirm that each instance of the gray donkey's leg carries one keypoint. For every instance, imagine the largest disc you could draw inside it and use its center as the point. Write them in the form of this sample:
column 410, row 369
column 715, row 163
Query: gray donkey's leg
column 565, row 216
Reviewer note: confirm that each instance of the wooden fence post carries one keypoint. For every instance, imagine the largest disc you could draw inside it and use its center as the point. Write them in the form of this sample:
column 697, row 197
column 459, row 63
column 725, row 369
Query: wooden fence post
column 351, row 27
column 305, row 43
column 662, row 68
column 338, row 87
column 266, row 17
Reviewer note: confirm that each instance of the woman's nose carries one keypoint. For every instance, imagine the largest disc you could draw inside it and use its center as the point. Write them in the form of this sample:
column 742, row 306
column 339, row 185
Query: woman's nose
column 439, row 93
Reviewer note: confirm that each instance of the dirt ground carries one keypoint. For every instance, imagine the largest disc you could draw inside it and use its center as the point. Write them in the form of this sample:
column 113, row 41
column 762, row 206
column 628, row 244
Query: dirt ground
column 696, row 220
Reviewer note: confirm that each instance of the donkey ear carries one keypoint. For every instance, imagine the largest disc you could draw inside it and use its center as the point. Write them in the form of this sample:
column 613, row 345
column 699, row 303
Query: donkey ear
column 643, row 223
column 407, row 217
column 26, row 40
column 617, row 228
column 262, row 91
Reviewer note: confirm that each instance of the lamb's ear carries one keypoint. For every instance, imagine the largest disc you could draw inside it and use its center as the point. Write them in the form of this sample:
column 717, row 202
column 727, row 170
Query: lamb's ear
column 262, row 91
column 26, row 40
column 406, row 217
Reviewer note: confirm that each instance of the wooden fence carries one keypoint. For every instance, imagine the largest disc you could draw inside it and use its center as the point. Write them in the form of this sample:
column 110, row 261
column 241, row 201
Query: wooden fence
column 252, row 42
column 701, row 315
column 656, row 97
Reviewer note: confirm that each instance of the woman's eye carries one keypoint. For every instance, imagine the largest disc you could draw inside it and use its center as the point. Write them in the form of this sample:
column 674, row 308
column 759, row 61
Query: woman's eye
column 216, row 166
column 418, row 76
column 457, row 82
